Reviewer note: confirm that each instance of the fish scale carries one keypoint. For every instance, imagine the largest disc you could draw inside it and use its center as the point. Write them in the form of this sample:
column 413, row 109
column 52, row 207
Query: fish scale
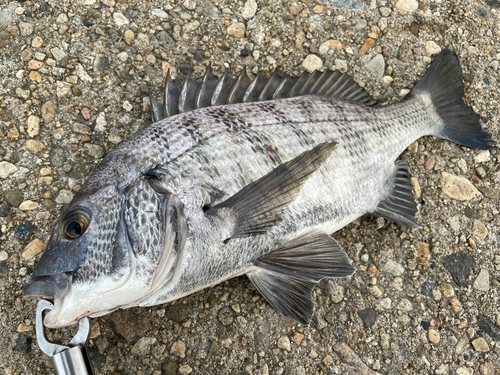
column 251, row 188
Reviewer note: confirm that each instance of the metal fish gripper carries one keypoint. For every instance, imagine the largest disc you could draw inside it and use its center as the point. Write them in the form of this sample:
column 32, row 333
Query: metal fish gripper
column 68, row 360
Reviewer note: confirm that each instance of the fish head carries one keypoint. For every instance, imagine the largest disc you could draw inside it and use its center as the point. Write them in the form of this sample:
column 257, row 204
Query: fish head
column 107, row 251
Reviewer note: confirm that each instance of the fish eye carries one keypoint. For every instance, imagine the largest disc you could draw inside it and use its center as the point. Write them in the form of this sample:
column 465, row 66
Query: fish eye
column 75, row 223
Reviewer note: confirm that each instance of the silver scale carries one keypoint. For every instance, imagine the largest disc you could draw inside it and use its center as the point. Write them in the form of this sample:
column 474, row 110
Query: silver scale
column 68, row 360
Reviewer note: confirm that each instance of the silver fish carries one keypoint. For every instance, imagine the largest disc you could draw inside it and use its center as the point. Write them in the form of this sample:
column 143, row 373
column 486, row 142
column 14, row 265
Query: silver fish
column 245, row 177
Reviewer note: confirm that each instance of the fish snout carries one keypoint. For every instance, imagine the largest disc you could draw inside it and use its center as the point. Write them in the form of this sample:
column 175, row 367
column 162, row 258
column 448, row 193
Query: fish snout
column 56, row 286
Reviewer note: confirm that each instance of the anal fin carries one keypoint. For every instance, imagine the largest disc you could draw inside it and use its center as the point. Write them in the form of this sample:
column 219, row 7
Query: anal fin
column 399, row 206
column 286, row 276
column 260, row 205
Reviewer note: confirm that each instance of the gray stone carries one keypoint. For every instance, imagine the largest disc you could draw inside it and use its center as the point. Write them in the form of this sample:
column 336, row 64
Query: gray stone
column 95, row 151
column 64, row 197
column 393, row 268
column 459, row 266
column 376, row 66
column 49, row 111
column 143, row 346
column 14, row 197
column 284, row 343
column 482, row 282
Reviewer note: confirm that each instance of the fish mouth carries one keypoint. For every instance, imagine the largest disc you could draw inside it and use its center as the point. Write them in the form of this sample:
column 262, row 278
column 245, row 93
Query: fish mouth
column 56, row 286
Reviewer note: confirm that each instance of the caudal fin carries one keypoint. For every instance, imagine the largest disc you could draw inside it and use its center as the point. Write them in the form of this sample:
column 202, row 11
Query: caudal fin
column 443, row 81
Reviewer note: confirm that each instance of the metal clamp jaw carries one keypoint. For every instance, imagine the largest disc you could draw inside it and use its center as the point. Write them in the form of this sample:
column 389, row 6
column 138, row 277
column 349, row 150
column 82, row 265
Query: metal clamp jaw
column 68, row 360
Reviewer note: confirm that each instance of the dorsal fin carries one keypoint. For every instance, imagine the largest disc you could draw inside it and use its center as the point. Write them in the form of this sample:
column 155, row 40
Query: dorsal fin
column 210, row 91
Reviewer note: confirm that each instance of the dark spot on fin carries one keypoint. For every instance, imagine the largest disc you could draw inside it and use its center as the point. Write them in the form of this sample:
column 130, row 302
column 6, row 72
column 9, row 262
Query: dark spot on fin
column 260, row 205
column 286, row 276
column 400, row 206
column 210, row 91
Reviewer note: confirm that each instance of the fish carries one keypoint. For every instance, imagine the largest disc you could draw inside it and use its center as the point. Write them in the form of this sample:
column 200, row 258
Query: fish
column 244, row 177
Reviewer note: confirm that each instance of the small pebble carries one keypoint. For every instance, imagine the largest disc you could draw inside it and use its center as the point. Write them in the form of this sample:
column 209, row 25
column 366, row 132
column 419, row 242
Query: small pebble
column 237, row 30
column 369, row 43
column 434, row 336
column 480, row 345
column 33, row 248
column 459, row 188
column 28, row 206
column 178, row 349
column 6, row 169
column 312, row 63
column 482, row 282
column 393, row 268
column 432, row 48
column 284, row 343
column 430, row 162
column 119, row 19
column 456, row 306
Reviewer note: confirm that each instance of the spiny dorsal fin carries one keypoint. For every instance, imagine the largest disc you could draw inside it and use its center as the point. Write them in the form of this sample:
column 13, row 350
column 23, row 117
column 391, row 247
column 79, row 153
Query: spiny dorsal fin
column 399, row 205
column 260, row 205
column 286, row 276
column 210, row 91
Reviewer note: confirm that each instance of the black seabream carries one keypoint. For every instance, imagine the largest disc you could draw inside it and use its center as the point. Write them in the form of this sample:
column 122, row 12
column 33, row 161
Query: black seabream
column 244, row 177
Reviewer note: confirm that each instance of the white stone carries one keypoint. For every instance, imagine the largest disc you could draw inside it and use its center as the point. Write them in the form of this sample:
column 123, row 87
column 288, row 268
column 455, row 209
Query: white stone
column 284, row 343
column 159, row 13
column 80, row 72
column 407, row 5
column 100, row 122
column 120, row 19
column 6, row 169
column 64, row 197
column 394, row 268
column 386, row 303
column 249, row 9
column 312, row 63
column 341, row 65
column 127, row 106
column 28, row 206
column 57, row 53
column 33, row 125
column 482, row 157
column 404, row 305
column 432, row 48
column 63, row 89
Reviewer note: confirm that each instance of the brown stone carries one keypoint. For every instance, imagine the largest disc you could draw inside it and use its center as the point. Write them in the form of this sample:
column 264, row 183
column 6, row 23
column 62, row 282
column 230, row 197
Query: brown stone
column 369, row 43
column 34, row 146
column 456, row 306
column 423, row 252
column 129, row 324
column 33, row 248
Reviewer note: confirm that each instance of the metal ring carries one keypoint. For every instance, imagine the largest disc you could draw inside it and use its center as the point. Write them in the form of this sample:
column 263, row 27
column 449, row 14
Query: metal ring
column 50, row 348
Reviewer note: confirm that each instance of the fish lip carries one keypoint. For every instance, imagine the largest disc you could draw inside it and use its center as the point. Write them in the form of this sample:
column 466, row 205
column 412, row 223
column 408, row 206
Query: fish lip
column 56, row 285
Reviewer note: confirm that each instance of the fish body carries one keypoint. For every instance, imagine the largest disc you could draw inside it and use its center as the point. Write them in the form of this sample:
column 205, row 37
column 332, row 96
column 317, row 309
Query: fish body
column 248, row 188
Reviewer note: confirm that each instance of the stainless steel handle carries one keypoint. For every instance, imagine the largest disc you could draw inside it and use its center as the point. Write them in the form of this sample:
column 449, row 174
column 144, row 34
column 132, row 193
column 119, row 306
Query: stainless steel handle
column 72, row 361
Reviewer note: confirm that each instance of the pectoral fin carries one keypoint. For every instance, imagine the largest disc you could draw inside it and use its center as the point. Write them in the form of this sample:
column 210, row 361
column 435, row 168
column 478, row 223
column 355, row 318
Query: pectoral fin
column 399, row 206
column 260, row 205
column 286, row 276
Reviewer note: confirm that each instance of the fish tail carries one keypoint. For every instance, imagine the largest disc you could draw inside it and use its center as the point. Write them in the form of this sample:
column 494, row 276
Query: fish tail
column 443, row 83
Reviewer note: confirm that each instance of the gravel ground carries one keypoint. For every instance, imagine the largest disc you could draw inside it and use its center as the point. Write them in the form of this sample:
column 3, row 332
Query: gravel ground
column 74, row 79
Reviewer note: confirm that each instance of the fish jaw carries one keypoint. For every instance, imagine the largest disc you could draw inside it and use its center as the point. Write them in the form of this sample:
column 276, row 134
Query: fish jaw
column 93, row 300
